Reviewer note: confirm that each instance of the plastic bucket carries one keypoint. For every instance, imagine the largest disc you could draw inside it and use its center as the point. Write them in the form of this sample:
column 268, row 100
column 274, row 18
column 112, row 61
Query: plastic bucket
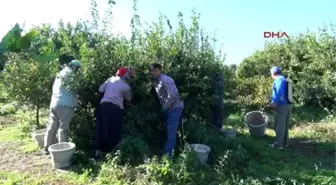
column 256, row 130
column 61, row 154
column 230, row 133
column 38, row 136
column 202, row 152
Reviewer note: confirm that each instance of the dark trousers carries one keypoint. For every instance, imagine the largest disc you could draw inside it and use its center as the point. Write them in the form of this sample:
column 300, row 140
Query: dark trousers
column 109, row 126
column 217, row 116
column 281, row 124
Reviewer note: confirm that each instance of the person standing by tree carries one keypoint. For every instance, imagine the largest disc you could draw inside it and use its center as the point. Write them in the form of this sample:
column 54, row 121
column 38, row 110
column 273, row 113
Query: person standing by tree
column 280, row 102
column 217, row 109
column 109, row 123
column 63, row 103
column 172, row 105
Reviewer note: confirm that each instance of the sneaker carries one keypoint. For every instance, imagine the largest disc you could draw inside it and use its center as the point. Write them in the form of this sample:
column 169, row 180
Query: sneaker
column 46, row 152
column 275, row 146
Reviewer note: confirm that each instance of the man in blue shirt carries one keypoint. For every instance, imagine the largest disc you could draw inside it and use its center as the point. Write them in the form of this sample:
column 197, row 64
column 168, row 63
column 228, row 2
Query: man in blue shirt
column 282, row 107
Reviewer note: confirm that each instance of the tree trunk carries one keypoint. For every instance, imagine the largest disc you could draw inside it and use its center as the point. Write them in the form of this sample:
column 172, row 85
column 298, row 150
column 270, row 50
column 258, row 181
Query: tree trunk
column 37, row 114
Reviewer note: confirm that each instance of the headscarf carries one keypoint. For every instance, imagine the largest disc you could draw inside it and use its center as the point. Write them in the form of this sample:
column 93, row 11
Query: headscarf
column 125, row 72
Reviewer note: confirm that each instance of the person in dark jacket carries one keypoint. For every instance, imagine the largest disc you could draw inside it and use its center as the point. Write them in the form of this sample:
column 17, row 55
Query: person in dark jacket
column 217, row 109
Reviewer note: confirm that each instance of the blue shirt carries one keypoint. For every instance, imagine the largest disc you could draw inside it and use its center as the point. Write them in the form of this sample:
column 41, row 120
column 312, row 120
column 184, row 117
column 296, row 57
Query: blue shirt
column 280, row 94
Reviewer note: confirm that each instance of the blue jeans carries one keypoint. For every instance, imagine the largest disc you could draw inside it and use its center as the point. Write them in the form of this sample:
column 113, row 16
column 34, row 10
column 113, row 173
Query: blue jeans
column 172, row 118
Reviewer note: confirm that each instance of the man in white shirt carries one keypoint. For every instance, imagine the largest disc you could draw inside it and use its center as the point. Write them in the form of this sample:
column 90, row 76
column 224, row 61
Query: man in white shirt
column 62, row 105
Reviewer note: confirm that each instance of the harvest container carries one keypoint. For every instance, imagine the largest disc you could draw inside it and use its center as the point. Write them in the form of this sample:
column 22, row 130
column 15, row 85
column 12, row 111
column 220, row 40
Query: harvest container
column 61, row 154
column 202, row 152
column 256, row 129
column 230, row 133
column 38, row 136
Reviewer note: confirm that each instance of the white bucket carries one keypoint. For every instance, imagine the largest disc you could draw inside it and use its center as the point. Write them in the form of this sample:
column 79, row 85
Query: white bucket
column 38, row 136
column 202, row 152
column 230, row 133
column 61, row 154
column 257, row 130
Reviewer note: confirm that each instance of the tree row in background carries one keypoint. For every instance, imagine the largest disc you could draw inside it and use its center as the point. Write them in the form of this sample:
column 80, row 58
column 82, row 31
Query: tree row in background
column 309, row 60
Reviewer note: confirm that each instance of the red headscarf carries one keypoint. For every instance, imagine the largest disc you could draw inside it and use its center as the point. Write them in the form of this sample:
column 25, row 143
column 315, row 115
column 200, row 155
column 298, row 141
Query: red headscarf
column 124, row 72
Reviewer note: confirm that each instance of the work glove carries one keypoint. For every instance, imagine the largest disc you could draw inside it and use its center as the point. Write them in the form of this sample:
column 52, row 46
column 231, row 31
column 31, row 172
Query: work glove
column 164, row 109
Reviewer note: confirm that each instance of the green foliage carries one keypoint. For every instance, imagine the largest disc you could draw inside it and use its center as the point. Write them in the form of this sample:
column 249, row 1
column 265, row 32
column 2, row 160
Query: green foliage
column 253, row 92
column 13, row 40
column 174, row 50
column 26, row 122
column 3, row 92
column 7, row 109
column 188, row 56
column 33, row 44
column 29, row 82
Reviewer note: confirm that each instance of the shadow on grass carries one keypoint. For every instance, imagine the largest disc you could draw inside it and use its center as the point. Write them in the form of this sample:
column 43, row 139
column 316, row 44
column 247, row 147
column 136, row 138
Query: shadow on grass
column 302, row 149
column 84, row 163
column 302, row 115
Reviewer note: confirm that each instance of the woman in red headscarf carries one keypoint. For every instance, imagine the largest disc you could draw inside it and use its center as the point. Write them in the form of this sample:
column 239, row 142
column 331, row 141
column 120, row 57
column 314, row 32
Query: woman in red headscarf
column 110, row 116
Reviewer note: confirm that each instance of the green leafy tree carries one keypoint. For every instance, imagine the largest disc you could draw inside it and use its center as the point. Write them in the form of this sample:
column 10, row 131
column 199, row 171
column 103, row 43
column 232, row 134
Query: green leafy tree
column 26, row 78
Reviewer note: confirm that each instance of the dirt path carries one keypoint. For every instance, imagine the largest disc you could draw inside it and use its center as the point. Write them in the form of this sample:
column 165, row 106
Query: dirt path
column 35, row 164
column 18, row 161
column 6, row 120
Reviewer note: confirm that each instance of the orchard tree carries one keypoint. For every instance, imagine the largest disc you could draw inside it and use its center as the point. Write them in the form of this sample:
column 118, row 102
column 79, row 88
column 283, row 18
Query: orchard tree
column 26, row 76
column 29, row 82
column 36, row 44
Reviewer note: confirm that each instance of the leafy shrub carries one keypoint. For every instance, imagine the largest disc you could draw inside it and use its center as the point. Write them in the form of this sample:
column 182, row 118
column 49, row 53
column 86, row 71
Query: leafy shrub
column 25, row 119
column 253, row 93
column 153, row 171
column 28, row 82
column 3, row 92
column 185, row 54
column 7, row 109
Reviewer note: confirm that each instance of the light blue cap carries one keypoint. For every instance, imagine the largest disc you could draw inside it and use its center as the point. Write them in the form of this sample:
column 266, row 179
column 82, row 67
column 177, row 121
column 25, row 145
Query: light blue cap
column 75, row 63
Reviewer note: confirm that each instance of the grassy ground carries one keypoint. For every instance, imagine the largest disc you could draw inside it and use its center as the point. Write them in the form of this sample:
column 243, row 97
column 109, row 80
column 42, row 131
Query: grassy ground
column 310, row 158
